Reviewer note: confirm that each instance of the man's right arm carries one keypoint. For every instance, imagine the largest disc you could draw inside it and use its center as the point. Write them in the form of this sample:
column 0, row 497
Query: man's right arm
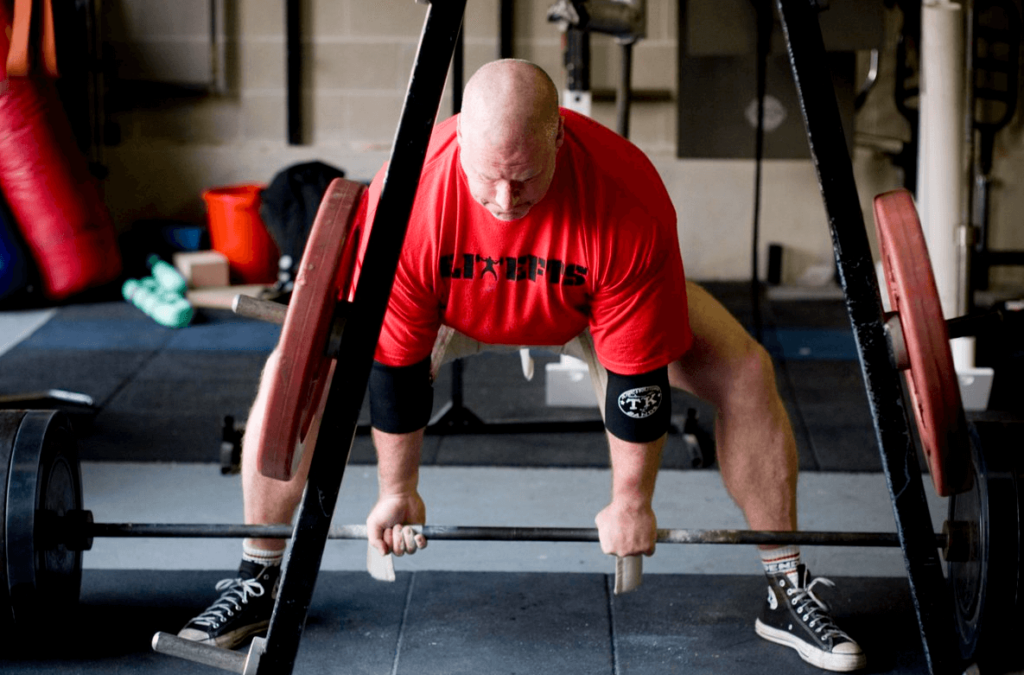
column 401, row 399
column 398, row 499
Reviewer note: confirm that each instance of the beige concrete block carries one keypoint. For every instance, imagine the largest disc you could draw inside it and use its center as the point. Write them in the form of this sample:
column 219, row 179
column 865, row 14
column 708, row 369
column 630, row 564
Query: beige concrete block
column 262, row 64
column 482, row 20
column 655, row 66
column 328, row 18
column 530, row 21
column 652, row 125
column 373, row 118
column 264, row 116
column 260, row 18
column 604, row 113
column 386, row 18
column 604, row 63
column 478, row 53
column 329, row 121
column 363, row 65
column 547, row 55
column 207, row 121
column 406, row 60
column 203, row 269
column 662, row 19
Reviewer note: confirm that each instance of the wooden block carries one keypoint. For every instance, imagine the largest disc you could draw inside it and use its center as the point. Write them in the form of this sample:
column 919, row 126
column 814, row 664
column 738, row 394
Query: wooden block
column 203, row 269
column 222, row 297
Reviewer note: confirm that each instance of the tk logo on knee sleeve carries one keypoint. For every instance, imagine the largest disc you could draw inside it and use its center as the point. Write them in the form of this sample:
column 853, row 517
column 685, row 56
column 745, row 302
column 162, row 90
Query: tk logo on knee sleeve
column 641, row 402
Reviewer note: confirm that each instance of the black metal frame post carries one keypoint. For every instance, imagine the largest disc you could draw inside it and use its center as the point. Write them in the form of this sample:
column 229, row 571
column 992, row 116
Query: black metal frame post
column 506, row 29
column 624, row 91
column 293, row 49
column 365, row 317
column 857, row 275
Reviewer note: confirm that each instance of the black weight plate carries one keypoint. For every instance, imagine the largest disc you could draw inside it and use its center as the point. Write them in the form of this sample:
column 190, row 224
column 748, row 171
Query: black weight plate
column 44, row 477
column 10, row 420
column 986, row 587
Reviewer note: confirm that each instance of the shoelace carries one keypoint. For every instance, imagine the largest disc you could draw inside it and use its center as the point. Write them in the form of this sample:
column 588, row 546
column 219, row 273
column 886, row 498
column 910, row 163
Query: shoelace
column 813, row 611
column 236, row 593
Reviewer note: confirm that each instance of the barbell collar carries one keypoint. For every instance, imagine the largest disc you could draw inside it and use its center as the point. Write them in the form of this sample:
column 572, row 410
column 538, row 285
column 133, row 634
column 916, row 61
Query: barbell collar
column 464, row 533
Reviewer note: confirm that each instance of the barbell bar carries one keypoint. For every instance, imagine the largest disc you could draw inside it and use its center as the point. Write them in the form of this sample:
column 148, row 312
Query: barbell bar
column 488, row 533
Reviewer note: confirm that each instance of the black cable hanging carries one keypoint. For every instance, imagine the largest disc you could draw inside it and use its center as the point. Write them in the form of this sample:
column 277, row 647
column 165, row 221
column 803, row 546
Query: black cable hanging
column 765, row 23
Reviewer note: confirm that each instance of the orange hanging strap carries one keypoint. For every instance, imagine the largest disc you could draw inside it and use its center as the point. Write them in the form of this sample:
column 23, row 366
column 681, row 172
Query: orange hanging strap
column 48, row 40
column 19, row 58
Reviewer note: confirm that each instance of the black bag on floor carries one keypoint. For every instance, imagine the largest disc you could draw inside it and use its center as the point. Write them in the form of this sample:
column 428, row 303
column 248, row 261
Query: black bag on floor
column 288, row 208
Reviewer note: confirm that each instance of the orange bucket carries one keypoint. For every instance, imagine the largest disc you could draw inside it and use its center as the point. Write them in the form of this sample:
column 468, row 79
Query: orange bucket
column 237, row 231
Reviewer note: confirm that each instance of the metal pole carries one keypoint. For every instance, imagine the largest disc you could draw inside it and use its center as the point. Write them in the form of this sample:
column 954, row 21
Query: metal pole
column 506, row 29
column 293, row 29
column 624, row 95
column 359, row 341
column 475, row 533
column 857, row 275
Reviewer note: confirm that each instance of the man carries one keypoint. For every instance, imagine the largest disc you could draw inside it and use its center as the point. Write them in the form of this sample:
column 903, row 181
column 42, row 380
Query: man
column 534, row 225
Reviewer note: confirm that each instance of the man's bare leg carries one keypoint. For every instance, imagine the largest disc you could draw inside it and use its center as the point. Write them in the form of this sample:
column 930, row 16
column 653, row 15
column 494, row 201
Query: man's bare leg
column 268, row 501
column 758, row 462
column 754, row 440
column 246, row 601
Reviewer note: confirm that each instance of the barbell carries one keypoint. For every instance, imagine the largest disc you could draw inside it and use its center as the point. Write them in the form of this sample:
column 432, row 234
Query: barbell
column 45, row 528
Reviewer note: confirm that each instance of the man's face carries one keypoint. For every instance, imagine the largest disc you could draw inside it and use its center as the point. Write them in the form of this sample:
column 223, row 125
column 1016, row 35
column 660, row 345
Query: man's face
column 508, row 179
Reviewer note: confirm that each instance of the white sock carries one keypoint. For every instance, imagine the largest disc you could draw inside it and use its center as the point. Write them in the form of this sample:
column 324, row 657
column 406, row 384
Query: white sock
column 782, row 559
column 262, row 556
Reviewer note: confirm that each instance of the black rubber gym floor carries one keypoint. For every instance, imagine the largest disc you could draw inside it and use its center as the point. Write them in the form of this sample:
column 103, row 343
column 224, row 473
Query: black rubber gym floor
column 440, row 623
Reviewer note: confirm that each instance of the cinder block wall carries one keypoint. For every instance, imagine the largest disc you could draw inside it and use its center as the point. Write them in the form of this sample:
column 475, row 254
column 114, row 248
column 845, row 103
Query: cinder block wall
column 358, row 55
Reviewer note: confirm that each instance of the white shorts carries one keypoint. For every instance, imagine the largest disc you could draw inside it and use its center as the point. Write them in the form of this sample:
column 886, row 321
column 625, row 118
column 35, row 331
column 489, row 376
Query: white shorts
column 451, row 345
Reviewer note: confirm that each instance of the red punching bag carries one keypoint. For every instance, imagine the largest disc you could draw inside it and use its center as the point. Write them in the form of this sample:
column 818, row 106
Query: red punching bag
column 44, row 177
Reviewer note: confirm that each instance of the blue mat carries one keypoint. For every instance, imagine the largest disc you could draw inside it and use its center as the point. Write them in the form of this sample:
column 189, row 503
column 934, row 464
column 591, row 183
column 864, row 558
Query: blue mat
column 811, row 344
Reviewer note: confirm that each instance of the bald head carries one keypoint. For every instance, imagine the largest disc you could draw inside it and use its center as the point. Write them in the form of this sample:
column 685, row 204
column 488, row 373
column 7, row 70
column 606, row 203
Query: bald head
column 509, row 133
column 508, row 101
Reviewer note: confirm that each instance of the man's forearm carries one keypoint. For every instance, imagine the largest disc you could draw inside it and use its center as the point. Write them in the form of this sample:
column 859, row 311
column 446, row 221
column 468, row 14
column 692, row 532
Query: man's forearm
column 634, row 470
column 398, row 461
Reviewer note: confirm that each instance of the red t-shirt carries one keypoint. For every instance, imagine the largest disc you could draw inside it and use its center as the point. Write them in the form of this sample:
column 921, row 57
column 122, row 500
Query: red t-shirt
column 599, row 251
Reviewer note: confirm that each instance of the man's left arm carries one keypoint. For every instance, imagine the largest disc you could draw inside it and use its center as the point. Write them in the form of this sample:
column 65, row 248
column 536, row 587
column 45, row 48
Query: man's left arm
column 638, row 410
column 628, row 526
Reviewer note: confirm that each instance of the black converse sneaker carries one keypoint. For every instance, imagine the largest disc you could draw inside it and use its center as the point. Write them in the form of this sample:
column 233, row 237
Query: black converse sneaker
column 795, row 617
column 242, row 610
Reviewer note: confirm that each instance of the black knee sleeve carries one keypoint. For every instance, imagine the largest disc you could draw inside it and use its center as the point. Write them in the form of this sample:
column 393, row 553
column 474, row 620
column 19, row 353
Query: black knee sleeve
column 638, row 408
column 401, row 398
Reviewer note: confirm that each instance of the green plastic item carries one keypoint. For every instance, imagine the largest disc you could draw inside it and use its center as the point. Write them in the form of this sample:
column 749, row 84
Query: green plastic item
column 166, row 308
column 166, row 275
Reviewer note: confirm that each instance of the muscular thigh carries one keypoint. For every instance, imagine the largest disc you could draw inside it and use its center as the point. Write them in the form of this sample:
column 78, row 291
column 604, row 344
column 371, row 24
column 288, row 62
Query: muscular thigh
column 720, row 344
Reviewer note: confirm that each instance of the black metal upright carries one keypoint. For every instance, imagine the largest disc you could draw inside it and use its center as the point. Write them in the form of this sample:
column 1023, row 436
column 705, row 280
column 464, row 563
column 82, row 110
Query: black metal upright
column 293, row 48
column 857, row 275
column 365, row 317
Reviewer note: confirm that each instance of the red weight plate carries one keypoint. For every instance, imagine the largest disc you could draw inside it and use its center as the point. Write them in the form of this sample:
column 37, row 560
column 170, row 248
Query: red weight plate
column 297, row 382
column 931, row 377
